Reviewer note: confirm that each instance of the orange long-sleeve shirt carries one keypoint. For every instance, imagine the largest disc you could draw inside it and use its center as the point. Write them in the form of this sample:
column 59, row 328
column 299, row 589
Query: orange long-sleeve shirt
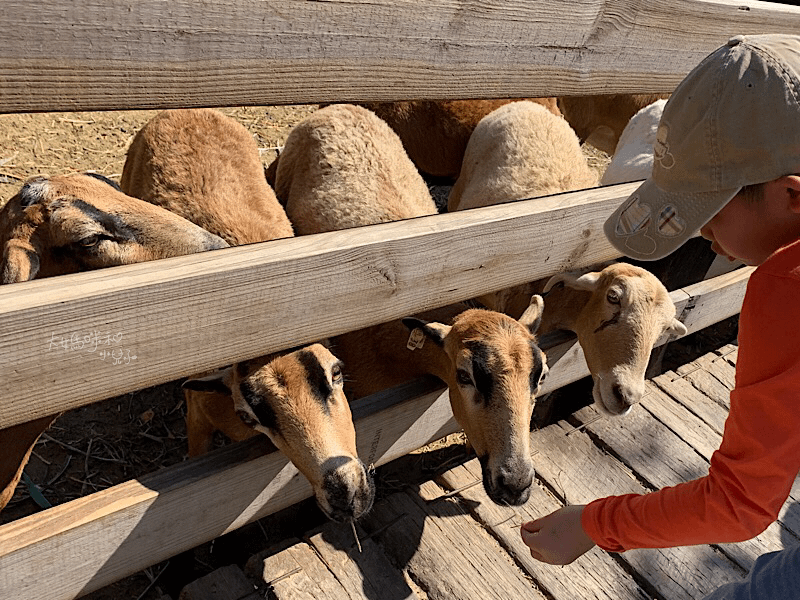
column 752, row 472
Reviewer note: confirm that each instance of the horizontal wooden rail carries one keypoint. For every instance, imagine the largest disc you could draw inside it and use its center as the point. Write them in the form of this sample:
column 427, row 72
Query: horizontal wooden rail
column 80, row 546
column 71, row 340
column 128, row 54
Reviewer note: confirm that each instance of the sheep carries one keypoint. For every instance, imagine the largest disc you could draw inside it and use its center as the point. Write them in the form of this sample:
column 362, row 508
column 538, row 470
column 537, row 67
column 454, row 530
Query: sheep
column 296, row 399
column 493, row 369
column 435, row 132
column 599, row 120
column 619, row 312
column 633, row 156
column 70, row 223
column 520, row 150
column 206, row 167
column 489, row 361
column 344, row 167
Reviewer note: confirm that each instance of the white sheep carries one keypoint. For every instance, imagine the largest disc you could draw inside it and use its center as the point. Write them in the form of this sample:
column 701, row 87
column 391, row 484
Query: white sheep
column 344, row 167
column 337, row 164
column 599, row 120
column 71, row 223
column 618, row 312
column 206, row 166
column 633, row 156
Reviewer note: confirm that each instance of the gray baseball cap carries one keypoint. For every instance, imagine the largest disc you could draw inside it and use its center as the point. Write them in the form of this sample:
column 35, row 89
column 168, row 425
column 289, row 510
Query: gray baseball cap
column 733, row 121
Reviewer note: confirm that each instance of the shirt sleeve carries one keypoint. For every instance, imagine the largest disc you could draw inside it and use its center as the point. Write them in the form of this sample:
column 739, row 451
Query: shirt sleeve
column 751, row 474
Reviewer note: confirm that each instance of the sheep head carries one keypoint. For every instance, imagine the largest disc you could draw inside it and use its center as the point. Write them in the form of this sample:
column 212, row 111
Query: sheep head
column 494, row 372
column 72, row 223
column 620, row 314
column 297, row 400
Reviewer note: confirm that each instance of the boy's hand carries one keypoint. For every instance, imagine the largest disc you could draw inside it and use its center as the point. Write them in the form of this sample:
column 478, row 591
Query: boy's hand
column 557, row 538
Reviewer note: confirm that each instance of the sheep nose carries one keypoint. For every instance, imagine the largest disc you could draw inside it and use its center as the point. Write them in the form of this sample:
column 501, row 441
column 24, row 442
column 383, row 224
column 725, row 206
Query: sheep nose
column 513, row 486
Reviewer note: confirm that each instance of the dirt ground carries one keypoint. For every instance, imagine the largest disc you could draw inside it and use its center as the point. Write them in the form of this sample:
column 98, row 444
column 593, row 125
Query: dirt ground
column 101, row 445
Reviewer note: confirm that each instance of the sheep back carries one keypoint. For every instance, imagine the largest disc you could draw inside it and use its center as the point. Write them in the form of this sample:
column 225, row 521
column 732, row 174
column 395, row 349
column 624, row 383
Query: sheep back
column 205, row 167
column 344, row 167
column 435, row 132
column 521, row 150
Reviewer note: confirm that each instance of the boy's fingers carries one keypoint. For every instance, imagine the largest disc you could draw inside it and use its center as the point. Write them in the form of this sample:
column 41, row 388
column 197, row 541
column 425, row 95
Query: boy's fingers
column 532, row 526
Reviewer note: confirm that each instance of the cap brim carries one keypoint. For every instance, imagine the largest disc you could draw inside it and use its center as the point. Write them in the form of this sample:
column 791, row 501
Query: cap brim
column 653, row 222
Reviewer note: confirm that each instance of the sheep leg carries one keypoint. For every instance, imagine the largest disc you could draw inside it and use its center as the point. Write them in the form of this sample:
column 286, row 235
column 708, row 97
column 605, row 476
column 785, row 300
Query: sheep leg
column 17, row 443
column 199, row 430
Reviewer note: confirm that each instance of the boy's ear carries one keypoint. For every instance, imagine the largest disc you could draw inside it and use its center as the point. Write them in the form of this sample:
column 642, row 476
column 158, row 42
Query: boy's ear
column 792, row 186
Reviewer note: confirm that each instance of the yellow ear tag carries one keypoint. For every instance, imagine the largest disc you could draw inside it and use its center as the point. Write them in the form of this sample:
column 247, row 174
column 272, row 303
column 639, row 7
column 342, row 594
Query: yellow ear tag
column 416, row 339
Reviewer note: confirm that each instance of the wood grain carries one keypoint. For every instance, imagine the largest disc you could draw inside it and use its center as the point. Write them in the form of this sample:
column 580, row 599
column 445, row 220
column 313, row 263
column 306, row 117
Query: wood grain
column 246, row 52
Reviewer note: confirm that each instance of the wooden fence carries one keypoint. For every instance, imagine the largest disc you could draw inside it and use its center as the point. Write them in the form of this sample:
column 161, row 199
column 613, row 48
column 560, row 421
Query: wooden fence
column 237, row 303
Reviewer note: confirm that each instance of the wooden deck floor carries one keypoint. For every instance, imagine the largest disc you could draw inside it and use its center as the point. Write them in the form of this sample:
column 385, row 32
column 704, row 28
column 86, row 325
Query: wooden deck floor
column 446, row 540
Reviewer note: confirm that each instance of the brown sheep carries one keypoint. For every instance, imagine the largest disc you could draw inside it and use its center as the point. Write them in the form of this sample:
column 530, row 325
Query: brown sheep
column 599, row 120
column 71, row 223
column 206, row 166
column 479, row 354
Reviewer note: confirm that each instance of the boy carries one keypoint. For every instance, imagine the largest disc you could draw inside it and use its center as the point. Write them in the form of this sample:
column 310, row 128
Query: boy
column 726, row 161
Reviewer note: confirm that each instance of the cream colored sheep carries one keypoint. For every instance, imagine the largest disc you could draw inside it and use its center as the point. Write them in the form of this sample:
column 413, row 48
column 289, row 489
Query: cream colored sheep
column 521, row 150
column 619, row 312
column 344, row 167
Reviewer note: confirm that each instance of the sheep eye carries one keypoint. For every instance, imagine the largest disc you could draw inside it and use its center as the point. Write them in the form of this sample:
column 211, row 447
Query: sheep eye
column 463, row 378
column 336, row 373
column 90, row 241
column 613, row 296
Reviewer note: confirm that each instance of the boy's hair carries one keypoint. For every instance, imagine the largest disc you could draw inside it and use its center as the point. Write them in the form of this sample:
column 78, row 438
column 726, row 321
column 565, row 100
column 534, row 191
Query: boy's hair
column 733, row 120
column 753, row 193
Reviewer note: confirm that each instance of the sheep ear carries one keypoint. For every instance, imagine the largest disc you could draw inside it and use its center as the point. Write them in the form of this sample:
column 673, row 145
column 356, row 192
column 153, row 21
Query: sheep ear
column 20, row 263
column 104, row 179
column 676, row 328
column 533, row 314
column 435, row 332
column 210, row 383
column 571, row 279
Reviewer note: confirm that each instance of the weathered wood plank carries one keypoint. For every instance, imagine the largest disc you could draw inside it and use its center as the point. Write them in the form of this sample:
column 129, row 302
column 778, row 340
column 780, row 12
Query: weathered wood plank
column 595, row 574
column 712, row 296
column 214, row 303
column 706, row 383
column 579, row 472
column 730, row 352
column 693, row 399
column 189, row 314
column 239, row 52
column 365, row 571
column 661, row 458
column 297, row 573
column 442, row 548
column 720, row 368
